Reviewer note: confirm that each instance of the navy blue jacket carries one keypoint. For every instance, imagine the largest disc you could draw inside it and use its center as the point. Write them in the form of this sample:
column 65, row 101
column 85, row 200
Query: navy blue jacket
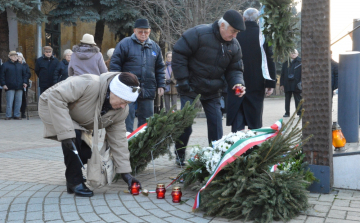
column 145, row 61
column 44, row 69
column 61, row 71
column 27, row 72
column 201, row 57
column 13, row 75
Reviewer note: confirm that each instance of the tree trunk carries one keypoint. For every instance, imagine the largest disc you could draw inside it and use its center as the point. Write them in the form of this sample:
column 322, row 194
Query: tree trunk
column 4, row 36
column 99, row 33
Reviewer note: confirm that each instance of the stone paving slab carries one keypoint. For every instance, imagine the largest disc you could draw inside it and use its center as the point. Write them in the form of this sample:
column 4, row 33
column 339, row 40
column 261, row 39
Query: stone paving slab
column 32, row 184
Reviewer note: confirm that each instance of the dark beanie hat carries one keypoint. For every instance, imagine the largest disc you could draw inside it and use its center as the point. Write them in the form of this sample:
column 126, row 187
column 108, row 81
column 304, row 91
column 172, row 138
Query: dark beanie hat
column 235, row 19
column 142, row 23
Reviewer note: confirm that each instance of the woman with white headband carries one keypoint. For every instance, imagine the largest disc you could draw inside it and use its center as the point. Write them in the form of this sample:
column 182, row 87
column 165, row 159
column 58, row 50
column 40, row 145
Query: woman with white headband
column 77, row 107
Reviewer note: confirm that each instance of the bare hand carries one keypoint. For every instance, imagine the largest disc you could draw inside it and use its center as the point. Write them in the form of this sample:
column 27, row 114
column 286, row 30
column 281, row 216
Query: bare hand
column 5, row 87
column 160, row 91
column 281, row 88
column 269, row 91
column 24, row 85
column 243, row 88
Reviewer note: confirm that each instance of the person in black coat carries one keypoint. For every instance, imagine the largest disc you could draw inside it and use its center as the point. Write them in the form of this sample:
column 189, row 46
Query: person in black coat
column 290, row 81
column 141, row 56
column 26, row 68
column 201, row 58
column 61, row 71
column 13, row 79
column 248, row 110
column 45, row 67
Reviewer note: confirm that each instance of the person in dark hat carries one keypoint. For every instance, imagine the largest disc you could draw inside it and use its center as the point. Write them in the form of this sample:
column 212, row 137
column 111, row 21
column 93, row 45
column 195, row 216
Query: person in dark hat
column 141, row 56
column 203, row 58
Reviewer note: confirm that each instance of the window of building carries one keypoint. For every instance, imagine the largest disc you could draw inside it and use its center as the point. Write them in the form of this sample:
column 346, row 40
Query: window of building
column 53, row 38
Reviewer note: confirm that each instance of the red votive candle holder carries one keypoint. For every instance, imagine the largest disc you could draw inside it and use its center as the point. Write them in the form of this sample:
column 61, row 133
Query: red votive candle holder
column 135, row 189
column 176, row 195
column 238, row 90
column 160, row 191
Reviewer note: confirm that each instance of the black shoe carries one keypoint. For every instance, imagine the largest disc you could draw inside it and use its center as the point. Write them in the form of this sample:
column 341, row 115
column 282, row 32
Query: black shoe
column 180, row 162
column 23, row 115
column 80, row 190
column 286, row 115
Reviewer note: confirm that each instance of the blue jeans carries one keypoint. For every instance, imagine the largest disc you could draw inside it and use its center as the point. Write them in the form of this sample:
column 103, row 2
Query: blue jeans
column 10, row 96
column 145, row 109
column 212, row 108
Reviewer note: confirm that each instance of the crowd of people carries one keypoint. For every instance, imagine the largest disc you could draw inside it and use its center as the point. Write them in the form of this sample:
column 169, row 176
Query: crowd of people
column 215, row 60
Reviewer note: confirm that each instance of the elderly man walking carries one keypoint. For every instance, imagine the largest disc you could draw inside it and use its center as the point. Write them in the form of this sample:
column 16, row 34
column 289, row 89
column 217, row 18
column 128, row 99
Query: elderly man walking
column 201, row 57
column 45, row 67
column 77, row 107
column 141, row 56
column 248, row 110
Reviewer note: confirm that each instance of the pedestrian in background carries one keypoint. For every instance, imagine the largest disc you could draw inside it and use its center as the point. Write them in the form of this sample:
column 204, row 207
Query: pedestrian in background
column 248, row 110
column 109, row 53
column 45, row 67
column 201, row 58
column 141, row 56
column 86, row 58
column 13, row 79
column 170, row 89
column 61, row 71
column 26, row 68
column 290, row 81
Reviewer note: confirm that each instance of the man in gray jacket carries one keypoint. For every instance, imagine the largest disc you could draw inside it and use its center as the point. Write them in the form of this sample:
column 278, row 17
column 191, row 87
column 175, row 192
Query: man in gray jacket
column 141, row 56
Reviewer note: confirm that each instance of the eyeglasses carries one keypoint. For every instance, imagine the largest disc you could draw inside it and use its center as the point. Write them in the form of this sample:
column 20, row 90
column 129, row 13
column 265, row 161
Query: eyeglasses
column 48, row 51
column 143, row 32
column 134, row 89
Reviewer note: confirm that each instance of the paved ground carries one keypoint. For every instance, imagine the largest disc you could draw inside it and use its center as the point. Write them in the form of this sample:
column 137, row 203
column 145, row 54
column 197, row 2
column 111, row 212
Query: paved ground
column 32, row 184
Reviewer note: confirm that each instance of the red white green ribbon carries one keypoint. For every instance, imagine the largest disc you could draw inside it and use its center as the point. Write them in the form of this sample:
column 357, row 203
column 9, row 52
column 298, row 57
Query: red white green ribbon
column 137, row 131
column 237, row 149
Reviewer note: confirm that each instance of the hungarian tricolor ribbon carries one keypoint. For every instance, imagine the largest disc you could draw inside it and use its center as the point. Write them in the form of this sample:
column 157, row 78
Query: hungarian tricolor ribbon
column 237, row 149
column 137, row 131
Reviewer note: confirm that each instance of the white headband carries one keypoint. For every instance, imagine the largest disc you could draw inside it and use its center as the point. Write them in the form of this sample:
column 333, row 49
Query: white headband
column 123, row 91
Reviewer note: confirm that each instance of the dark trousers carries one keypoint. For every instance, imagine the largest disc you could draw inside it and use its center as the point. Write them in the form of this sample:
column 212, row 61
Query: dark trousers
column 145, row 109
column 24, row 101
column 239, row 120
column 73, row 171
column 213, row 114
column 173, row 98
column 297, row 97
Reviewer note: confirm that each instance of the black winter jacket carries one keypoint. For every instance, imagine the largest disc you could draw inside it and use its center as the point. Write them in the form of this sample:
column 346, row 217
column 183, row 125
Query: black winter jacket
column 143, row 60
column 61, row 71
column 13, row 75
column 200, row 59
column 27, row 72
column 44, row 69
column 291, row 70
column 334, row 75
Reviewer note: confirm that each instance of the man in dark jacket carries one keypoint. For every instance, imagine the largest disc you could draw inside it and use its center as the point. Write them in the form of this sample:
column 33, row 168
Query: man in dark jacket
column 13, row 79
column 61, row 71
column 290, row 81
column 45, row 67
column 141, row 56
column 248, row 110
column 201, row 57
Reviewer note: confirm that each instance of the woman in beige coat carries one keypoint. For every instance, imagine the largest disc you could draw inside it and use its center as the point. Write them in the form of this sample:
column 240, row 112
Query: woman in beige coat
column 170, row 89
column 72, row 109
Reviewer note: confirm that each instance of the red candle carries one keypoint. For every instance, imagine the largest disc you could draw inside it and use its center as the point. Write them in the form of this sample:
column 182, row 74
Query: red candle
column 160, row 191
column 238, row 90
column 176, row 195
column 135, row 189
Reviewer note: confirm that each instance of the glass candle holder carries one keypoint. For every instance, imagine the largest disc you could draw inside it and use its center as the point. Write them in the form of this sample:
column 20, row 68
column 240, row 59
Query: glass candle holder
column 160, row 191
column 176, row 195
column 135, row 189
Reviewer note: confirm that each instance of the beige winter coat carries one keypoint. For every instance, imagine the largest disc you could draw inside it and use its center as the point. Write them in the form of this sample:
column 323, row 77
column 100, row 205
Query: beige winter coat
column 74, row 104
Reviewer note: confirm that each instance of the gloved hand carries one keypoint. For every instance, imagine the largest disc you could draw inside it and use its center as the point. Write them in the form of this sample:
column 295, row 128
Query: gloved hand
column 129, row 179
column 67, row 143
column 183, row 86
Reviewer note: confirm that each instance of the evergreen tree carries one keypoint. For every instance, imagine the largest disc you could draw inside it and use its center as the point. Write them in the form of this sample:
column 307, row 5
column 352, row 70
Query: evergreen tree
column 26, row 12
column 117, row 14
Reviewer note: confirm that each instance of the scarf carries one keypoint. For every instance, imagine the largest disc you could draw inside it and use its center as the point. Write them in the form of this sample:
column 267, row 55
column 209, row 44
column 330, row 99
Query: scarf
column 168, row 70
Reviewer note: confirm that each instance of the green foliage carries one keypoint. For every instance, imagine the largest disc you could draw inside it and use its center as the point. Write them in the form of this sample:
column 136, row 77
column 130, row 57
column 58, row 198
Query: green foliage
column 195, row 171
column 247, row 189
column 280, row 24
column 26, row 10
column 117, row 14
column 162, row 130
